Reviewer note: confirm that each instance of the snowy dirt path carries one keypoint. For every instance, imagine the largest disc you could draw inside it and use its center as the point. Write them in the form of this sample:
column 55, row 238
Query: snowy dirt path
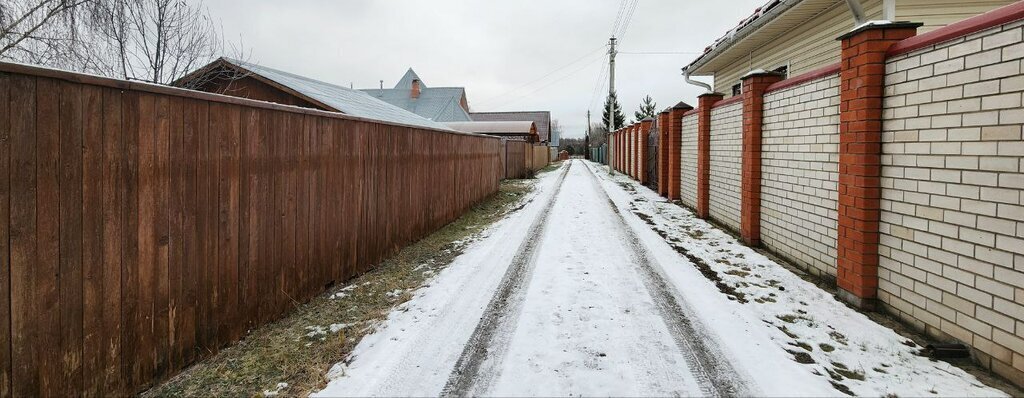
column 598, row 287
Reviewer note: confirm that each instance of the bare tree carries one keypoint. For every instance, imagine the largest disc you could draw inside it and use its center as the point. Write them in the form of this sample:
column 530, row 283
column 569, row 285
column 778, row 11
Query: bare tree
column 41, row 31
column 157, row 41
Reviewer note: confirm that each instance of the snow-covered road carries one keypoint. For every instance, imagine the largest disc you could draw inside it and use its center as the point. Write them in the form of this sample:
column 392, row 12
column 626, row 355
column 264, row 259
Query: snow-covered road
column 596, row 288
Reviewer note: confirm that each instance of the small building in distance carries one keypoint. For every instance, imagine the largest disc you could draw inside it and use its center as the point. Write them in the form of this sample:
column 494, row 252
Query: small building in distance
column 248, row 80
column 512, row 130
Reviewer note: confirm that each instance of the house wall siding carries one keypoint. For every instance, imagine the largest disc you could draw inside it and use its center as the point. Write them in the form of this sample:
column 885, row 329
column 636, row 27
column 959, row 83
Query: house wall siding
column 726, row 151
column 814, row 45
column 688, row 161
column 800, row 154
column 952, row 221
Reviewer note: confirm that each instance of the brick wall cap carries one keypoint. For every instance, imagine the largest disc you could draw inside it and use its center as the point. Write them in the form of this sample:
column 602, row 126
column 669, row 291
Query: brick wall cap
column 805, row 77
column 761, row 72
column 996, row 17
column 711, row 93
column 872, row 25
column 683, row 105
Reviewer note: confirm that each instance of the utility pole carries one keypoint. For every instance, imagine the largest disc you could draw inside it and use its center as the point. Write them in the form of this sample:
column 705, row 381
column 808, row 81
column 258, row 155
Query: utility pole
column 611, row 89
column 586, row 140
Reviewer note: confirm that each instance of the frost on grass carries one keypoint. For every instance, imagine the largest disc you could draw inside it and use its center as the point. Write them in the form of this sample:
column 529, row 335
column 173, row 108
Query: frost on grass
column 853, row 353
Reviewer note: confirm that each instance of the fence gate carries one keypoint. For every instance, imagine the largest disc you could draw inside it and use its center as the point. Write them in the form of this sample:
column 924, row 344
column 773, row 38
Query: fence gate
column 651, row 161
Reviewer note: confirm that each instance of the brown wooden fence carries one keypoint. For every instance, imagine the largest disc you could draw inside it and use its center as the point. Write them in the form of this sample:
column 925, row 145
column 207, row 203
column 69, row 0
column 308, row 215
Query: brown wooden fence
column 516, row 159
column 540, row 157
column 144, row 227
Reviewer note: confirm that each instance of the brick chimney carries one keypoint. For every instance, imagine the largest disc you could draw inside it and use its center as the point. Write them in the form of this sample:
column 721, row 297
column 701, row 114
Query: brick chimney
column 415, row 89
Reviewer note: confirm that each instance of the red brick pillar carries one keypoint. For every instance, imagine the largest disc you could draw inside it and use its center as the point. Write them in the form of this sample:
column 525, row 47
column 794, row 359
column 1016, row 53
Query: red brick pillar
column 754, row 85
column 675, row 142
column 862, row 83
column 663, row 153
column 704, row 103
column 618, row 151
column 643, row 134
column 632, row 150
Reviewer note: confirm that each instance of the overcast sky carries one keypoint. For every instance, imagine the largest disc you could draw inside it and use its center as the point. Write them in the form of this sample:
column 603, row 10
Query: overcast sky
column 509, row 55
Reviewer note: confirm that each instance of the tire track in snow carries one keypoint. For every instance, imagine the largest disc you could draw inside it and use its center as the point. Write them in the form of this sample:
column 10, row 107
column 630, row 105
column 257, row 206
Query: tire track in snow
column 716, row 377
column 503, row 308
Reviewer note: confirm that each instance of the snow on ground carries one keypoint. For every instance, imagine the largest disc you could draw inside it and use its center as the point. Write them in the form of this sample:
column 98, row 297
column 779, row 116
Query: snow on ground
column 414, row 350
column 829, row 339
column 590, row 316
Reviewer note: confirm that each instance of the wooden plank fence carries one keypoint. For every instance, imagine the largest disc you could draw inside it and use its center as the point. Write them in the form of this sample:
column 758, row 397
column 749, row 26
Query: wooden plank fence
column 144, row 227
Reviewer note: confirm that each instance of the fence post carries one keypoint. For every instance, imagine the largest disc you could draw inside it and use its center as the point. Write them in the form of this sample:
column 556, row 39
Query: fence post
column 862, row 83
column 754, row 85
column 643, row 133
column 704, row 103
column 675, row 142
column 663, row 153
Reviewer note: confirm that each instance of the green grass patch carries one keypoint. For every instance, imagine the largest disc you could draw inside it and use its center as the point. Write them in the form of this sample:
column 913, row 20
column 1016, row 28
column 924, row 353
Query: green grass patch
column 300, row 348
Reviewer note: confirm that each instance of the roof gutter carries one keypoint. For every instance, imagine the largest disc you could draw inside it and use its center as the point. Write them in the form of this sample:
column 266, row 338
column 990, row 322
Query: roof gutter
column 686, row 77
column 783, row 6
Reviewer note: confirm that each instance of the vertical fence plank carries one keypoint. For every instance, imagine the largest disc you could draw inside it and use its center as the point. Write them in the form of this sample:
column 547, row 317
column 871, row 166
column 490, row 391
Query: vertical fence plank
column 225, row 130
column 47, row 286
column 70, row 227
column 249, row 223
column 114, row 189
column 24, row 381
column 161, row 224
column 207, row 204
column 92, row 241
column 5, row 248
column 130, row 309
column 148, row 185
column 175, row 194
column 188, row 311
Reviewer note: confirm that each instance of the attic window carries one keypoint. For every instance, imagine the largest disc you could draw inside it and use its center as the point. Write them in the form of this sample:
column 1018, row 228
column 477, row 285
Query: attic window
column 784, row 70
column 737, row 89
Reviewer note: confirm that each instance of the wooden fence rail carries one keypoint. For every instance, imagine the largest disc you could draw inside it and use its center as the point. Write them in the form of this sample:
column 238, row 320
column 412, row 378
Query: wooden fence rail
column 143, row 227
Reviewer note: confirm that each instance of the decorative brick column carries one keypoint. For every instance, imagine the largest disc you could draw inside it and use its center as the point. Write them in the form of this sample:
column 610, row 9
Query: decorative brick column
column 663, row 153
column 675, row 142
column 754, row 85
column 862, row 83
column 704, row 103
column 632, row 151
column 643, row 133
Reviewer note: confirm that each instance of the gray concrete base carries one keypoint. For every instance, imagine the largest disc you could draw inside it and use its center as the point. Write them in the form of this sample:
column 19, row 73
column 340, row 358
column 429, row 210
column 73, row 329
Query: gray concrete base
column 856, row 302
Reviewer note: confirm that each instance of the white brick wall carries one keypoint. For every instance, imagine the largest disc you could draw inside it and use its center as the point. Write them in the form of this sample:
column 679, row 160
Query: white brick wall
column 726, row 158
column 952, row 226
column 800, row 156
column 688, row 161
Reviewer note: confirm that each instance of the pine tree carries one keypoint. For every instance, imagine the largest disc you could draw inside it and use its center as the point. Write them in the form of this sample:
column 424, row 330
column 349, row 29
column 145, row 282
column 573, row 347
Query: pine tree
column 620, row 119
column 647, row 109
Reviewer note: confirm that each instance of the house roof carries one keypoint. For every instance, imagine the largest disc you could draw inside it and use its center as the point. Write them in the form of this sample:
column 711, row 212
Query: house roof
column 441, row 104
column 329, row 96
column 541, row 118
column 766, row 23
column 497, row 127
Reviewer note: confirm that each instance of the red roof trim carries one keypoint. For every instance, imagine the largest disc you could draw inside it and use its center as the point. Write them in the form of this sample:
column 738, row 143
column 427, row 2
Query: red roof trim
column 730, row 100
column 690, row 112
column 984, row 21
column 804, row 78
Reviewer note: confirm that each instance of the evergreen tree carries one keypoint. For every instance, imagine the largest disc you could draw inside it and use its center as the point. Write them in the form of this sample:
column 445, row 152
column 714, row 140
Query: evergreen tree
column 647, row 109
column 620, row 119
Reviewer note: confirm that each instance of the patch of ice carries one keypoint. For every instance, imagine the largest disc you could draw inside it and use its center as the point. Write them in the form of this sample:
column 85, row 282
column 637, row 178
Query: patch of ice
column 277, row 390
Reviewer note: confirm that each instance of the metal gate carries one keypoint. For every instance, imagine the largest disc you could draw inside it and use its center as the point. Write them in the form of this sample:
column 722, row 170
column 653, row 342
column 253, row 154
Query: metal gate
column 651, row 161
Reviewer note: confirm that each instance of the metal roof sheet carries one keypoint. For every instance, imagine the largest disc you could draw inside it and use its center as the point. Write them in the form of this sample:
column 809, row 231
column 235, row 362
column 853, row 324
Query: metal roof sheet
column 342, row 99
column 497, row 127
column 541, row 118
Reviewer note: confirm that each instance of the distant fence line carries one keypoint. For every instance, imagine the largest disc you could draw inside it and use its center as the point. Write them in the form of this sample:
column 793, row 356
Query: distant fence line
column 144, row 227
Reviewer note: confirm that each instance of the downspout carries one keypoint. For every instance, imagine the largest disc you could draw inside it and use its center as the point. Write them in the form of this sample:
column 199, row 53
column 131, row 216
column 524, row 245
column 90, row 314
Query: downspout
column 686, row 77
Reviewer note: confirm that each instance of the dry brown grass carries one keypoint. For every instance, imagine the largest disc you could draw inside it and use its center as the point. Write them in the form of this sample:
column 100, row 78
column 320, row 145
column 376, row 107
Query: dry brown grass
column 289, row 351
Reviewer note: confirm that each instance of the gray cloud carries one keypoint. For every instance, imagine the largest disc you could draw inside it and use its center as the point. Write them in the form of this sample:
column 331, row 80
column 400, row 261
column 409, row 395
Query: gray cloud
column 492, row 48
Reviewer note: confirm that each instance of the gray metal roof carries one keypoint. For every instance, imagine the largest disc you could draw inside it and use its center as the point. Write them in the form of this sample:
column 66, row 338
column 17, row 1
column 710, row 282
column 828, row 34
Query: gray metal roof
column 440, row 104
column 342, row 99
column 499, row 127
column 541, row 118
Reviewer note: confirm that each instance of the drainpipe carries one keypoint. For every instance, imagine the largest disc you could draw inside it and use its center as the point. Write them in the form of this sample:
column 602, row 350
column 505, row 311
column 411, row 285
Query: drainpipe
column 888, row 12
column 686, row 77
column 857, row 11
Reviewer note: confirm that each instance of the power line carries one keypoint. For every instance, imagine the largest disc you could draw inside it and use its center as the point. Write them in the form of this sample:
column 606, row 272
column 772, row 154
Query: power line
column 661, row 52
column 572, row 73
column 523, row 86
